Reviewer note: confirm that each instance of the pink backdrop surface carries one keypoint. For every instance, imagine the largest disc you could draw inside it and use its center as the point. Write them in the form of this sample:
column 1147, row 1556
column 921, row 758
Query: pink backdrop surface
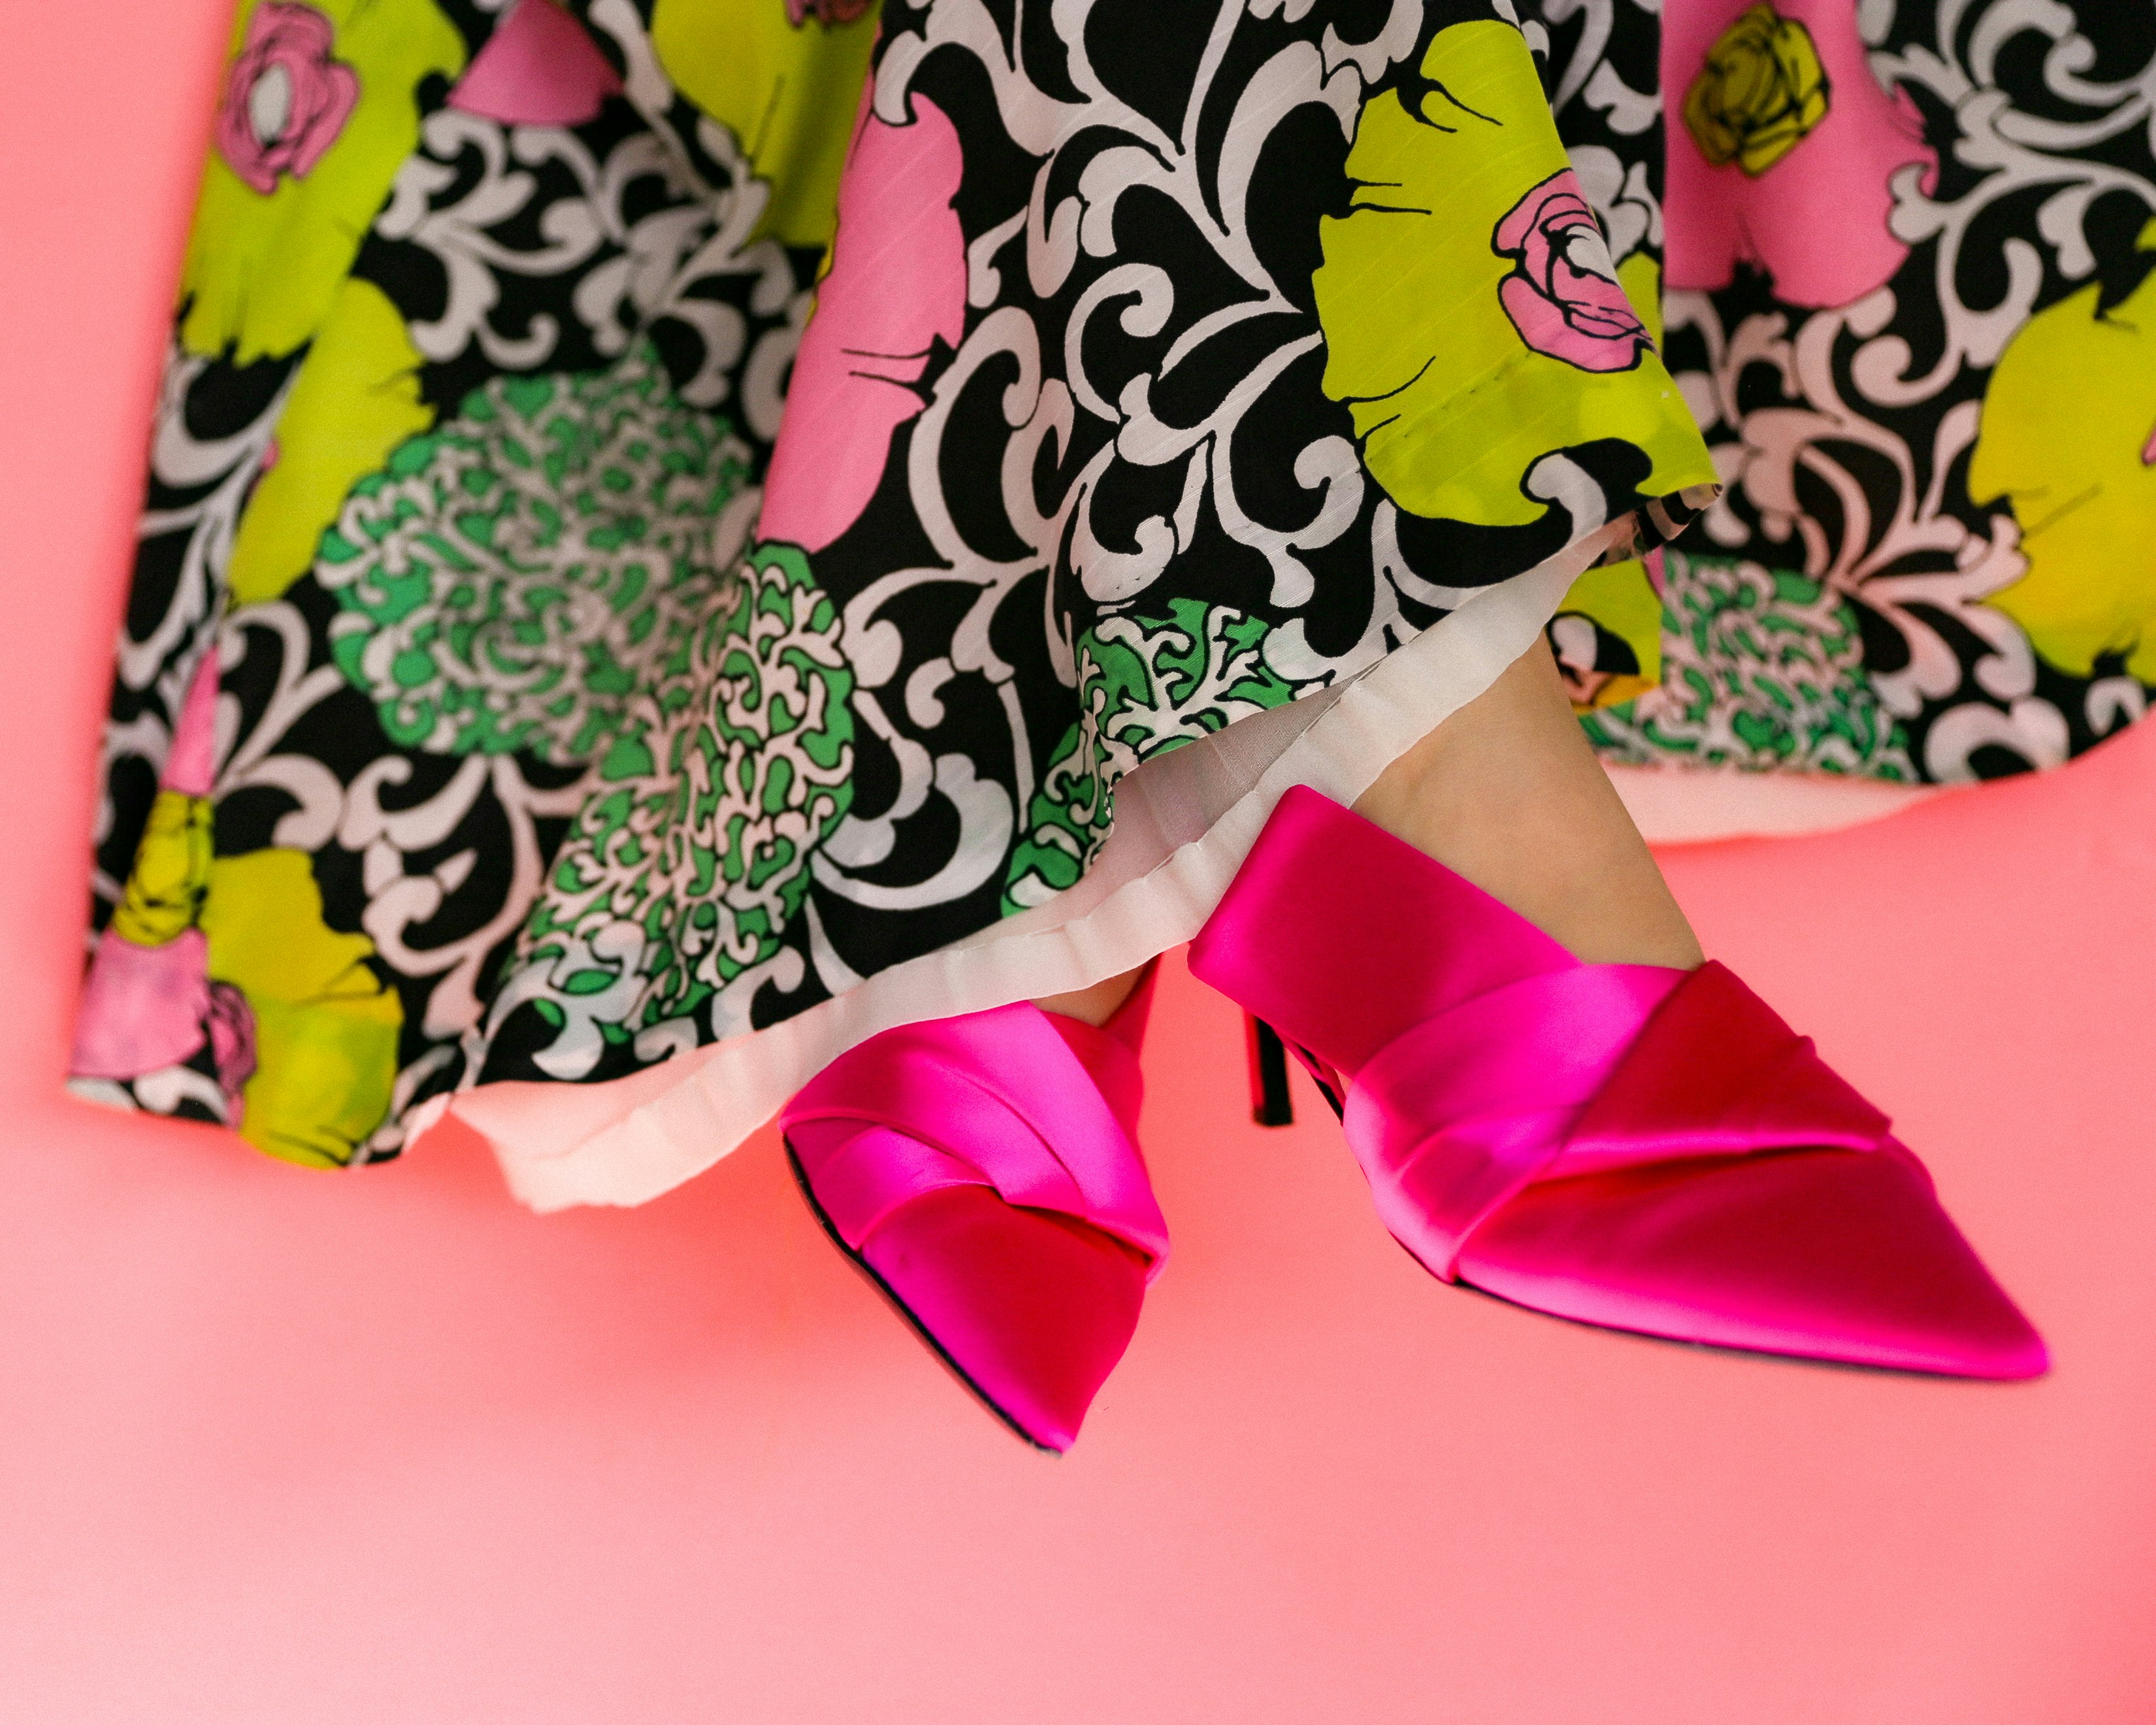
column 278, row 1445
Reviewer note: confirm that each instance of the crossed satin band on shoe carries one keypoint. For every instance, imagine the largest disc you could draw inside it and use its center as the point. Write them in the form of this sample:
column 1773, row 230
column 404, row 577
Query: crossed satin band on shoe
column 994, row 1099
column 1455, row 1116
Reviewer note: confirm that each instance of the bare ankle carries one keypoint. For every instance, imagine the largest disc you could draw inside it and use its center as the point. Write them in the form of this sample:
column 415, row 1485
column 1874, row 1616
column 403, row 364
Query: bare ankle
column 1095, row 1005
column 1507, row 793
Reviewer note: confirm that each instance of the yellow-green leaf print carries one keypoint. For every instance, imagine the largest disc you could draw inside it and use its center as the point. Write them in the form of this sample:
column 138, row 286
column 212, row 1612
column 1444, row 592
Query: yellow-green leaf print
column 1607, row 635
column 786, row 86
column 1473, row 320
column 324, row 1027
column 356, row 398
column 2068, row 439
column 171, row 871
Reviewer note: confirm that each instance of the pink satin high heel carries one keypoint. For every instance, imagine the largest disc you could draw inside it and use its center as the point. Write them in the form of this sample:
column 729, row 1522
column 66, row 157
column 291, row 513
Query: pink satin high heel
column 1631, row 1145
column 984, row 1172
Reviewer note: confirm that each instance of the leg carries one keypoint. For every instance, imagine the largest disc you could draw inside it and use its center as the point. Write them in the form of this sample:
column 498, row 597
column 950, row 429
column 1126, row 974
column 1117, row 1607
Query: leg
column 1728, row 1189
column 1095, row 1005
column 1507, row 792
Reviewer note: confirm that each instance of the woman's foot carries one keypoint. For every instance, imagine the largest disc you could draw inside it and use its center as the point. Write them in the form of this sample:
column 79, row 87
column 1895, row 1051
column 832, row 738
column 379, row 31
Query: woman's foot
column 1097, row 1004
column 1554, row 1099
column 1507, row 793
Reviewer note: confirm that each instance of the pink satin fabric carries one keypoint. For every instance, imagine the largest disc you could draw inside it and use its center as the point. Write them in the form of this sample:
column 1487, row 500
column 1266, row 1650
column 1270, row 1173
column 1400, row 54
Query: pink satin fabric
column 1627, row 1145
column 1582, row 1071
column 1456, row 1115
column 985, row 1170
column 999, row 1099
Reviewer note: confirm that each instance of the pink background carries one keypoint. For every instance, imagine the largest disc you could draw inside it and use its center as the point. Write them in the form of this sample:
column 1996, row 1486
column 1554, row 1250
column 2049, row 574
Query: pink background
column 278, row 1445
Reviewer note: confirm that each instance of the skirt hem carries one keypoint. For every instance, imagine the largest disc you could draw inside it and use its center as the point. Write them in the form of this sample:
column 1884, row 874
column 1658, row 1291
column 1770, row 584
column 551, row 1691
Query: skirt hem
column 1183, row 825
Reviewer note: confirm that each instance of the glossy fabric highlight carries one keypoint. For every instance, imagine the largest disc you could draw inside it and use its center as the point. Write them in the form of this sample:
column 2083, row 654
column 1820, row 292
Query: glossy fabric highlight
column 1626, row 1145
column 984, row 1171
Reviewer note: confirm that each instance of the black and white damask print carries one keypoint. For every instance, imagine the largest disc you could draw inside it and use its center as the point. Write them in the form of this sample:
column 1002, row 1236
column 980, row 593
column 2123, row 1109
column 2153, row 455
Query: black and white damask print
column 1120, row 510
column 613, row 250
column 1949, row 467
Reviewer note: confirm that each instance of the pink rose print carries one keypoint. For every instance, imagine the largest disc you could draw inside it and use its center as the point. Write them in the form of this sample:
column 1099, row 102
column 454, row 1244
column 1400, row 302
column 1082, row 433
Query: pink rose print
column 1563, row 295
column 231, row 1025
column 142, row 1007
column 829, row 12
column 286, row 99
column 1814, row 219
column 897, row 282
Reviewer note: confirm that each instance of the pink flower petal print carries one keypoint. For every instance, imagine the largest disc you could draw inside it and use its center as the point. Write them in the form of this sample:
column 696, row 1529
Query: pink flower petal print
column 1562, row 295
column 285, row 98
column 142, row 1007
column 897, row 282
column 232, row 1046
column 190, row 763
column 829, row 12
column 539, row 68
column 1816, row 219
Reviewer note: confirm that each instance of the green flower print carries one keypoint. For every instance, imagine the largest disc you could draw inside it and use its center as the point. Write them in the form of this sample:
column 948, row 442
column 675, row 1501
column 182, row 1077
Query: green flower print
column 1144, row 686
column 513, row 579
column 1760, row 668
column 680, row 875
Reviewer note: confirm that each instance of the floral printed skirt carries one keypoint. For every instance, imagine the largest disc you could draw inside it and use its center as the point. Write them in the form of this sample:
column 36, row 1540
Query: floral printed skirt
column 683, row 533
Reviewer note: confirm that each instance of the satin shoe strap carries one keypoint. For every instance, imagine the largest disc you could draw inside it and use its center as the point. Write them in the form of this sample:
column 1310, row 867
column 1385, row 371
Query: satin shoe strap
column 1451, row 1118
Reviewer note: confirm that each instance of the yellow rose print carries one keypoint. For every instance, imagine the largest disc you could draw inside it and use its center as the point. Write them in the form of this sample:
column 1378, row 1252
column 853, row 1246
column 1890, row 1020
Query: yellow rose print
column 1760, row 92
column 1474, row 322
column 2068, row 439
column 320, row 109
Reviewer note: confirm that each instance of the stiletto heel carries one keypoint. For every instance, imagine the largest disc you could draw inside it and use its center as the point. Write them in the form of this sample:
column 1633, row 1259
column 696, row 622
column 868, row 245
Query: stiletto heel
column 1626, row 1145
column 1270, row 1104
column 983, row 1172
